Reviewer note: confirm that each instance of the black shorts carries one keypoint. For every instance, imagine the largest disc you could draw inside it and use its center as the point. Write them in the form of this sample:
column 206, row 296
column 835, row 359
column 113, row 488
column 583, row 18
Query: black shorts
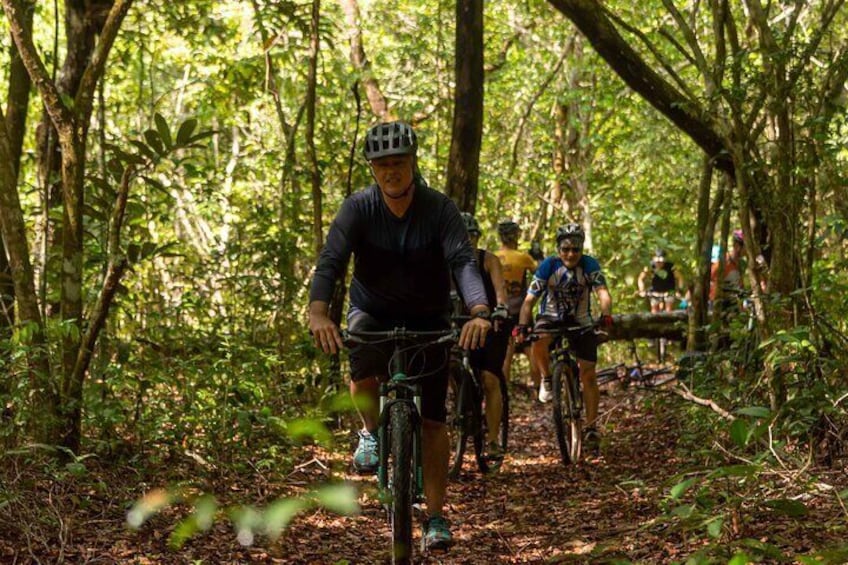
column 373, row 360
column 585, row 345
column 491, row 356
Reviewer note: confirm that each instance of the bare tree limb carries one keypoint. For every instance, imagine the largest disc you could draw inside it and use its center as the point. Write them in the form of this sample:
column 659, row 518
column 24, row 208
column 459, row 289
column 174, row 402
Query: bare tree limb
column 684, row 392
column 84, row 100
column 58, row 111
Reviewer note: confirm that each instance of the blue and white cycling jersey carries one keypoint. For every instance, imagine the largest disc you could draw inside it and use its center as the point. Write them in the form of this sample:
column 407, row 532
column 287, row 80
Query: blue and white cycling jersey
column 566, row 292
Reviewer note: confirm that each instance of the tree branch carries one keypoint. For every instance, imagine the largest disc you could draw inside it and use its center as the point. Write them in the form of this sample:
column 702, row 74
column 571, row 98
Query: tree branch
column 58, row 111
column 85, row 94
column 682, row 391
column 684, row 112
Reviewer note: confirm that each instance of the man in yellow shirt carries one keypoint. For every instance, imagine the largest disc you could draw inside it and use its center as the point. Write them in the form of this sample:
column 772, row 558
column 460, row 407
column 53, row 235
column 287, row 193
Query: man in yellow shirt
column 518, row 268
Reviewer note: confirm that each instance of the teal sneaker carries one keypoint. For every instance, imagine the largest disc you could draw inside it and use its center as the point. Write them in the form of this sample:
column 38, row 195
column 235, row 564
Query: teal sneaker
column 365, row 458
column 437, row 536
column 592, row 441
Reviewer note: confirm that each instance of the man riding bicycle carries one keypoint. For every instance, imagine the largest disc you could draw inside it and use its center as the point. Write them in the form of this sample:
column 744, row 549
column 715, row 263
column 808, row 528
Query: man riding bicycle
column 518, row 267
column 564, row 283
column 666, row 283
column 490, row 359
column 407, row 240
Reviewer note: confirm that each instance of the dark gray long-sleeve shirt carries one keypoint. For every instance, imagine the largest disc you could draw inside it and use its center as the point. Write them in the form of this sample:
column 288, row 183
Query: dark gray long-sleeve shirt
column 402, row 265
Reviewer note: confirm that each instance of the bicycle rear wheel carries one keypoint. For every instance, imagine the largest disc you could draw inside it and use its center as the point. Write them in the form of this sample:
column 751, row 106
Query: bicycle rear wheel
column 503, row 434
column 402, row 481
column 467, row 422
column 566, row 412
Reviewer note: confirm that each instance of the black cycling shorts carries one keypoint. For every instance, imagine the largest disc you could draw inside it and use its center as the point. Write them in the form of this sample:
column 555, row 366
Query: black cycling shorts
column 373, row 360
column 585, row 345
column 491, row 356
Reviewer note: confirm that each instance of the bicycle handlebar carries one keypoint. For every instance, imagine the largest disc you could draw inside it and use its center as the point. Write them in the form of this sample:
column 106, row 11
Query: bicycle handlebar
column 575, row 330
column 352, row 337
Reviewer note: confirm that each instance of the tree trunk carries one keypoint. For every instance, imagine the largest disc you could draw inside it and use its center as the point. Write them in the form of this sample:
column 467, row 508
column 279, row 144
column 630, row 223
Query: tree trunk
column 360, row 62
column 670, row 325
column 71, row 122
column 315, row 172
column 700, row 289
column 464, row 159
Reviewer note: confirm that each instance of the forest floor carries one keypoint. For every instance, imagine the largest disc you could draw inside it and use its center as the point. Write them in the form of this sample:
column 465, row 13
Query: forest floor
column 617, row 508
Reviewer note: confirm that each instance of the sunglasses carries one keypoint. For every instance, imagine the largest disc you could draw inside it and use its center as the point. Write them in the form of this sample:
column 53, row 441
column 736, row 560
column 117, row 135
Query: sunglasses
column 570, row 249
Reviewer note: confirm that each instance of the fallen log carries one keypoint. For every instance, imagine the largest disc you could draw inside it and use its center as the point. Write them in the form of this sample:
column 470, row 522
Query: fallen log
column 670, row 325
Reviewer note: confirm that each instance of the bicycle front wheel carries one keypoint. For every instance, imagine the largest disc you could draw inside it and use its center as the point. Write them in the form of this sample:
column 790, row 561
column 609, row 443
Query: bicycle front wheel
column 566, row 412
column 402, row 481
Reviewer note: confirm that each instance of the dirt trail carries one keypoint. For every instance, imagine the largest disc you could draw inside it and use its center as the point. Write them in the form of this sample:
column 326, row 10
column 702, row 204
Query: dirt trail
column 609, row 510
column 534, row 510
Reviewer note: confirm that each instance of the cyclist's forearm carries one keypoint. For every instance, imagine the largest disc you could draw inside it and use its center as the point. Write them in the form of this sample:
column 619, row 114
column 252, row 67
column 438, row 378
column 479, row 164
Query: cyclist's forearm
column 604, row 301
column 319, row 308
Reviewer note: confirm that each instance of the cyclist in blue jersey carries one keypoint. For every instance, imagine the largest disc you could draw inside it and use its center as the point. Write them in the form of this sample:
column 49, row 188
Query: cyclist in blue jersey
column 407, row 241
column 564, row 283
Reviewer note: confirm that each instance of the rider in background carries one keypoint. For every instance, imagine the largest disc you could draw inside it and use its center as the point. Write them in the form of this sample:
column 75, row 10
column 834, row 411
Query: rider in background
column 666, row 283
column 536, row 251
column 407, row 241
column 731, row 279
column 564, row 283
column 490, row 359
column 518, row 268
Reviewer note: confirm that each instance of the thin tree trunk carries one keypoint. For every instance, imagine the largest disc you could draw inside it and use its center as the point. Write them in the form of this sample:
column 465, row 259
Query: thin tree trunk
column 315, row 172
column 700, row 291
column 464, row 158
column 360, row 62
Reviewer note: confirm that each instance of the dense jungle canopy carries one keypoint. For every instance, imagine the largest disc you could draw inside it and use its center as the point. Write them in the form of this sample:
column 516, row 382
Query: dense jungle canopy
column 168, row 172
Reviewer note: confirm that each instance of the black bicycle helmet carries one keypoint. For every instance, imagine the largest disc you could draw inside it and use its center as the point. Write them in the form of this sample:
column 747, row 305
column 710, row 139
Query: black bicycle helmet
column 508, row 227
column 392, row 138
column 571, row 231
column 471, row 224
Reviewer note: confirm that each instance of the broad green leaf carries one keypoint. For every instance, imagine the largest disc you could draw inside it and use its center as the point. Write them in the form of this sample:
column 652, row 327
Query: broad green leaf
column 185, row 131
column 153, row 139
column 204, row 511
column 715, row 526
column 739, row 432
column 186, row 528
column 740, row 558
column 340, row 498
column 163, row 129
column 755, row 411
column 788, row 507
column 680, row 488
column 307, row 427
column 280, row 513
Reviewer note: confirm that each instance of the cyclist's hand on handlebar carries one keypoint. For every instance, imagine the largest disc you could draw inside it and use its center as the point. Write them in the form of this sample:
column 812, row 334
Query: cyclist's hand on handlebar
column 325, row 333
column 520, row 332
column 474, row 332
column 606, row 321
column 499, row 316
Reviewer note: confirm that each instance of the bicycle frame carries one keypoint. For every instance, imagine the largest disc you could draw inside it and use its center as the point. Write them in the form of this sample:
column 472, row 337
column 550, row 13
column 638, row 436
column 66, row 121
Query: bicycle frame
column 400, row 389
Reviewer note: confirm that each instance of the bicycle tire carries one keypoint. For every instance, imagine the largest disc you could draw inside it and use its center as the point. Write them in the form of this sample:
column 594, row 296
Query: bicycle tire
column 657, row 377
column 605, row 376
column 402, row 485
column 566, row 416
column 467, row 422
column 503, row 434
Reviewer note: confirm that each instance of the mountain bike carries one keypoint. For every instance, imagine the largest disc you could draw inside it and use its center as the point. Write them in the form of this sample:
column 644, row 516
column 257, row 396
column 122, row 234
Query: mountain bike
column 467, row 417
column 636, row 373
column 400, row 474
column 567, row 413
